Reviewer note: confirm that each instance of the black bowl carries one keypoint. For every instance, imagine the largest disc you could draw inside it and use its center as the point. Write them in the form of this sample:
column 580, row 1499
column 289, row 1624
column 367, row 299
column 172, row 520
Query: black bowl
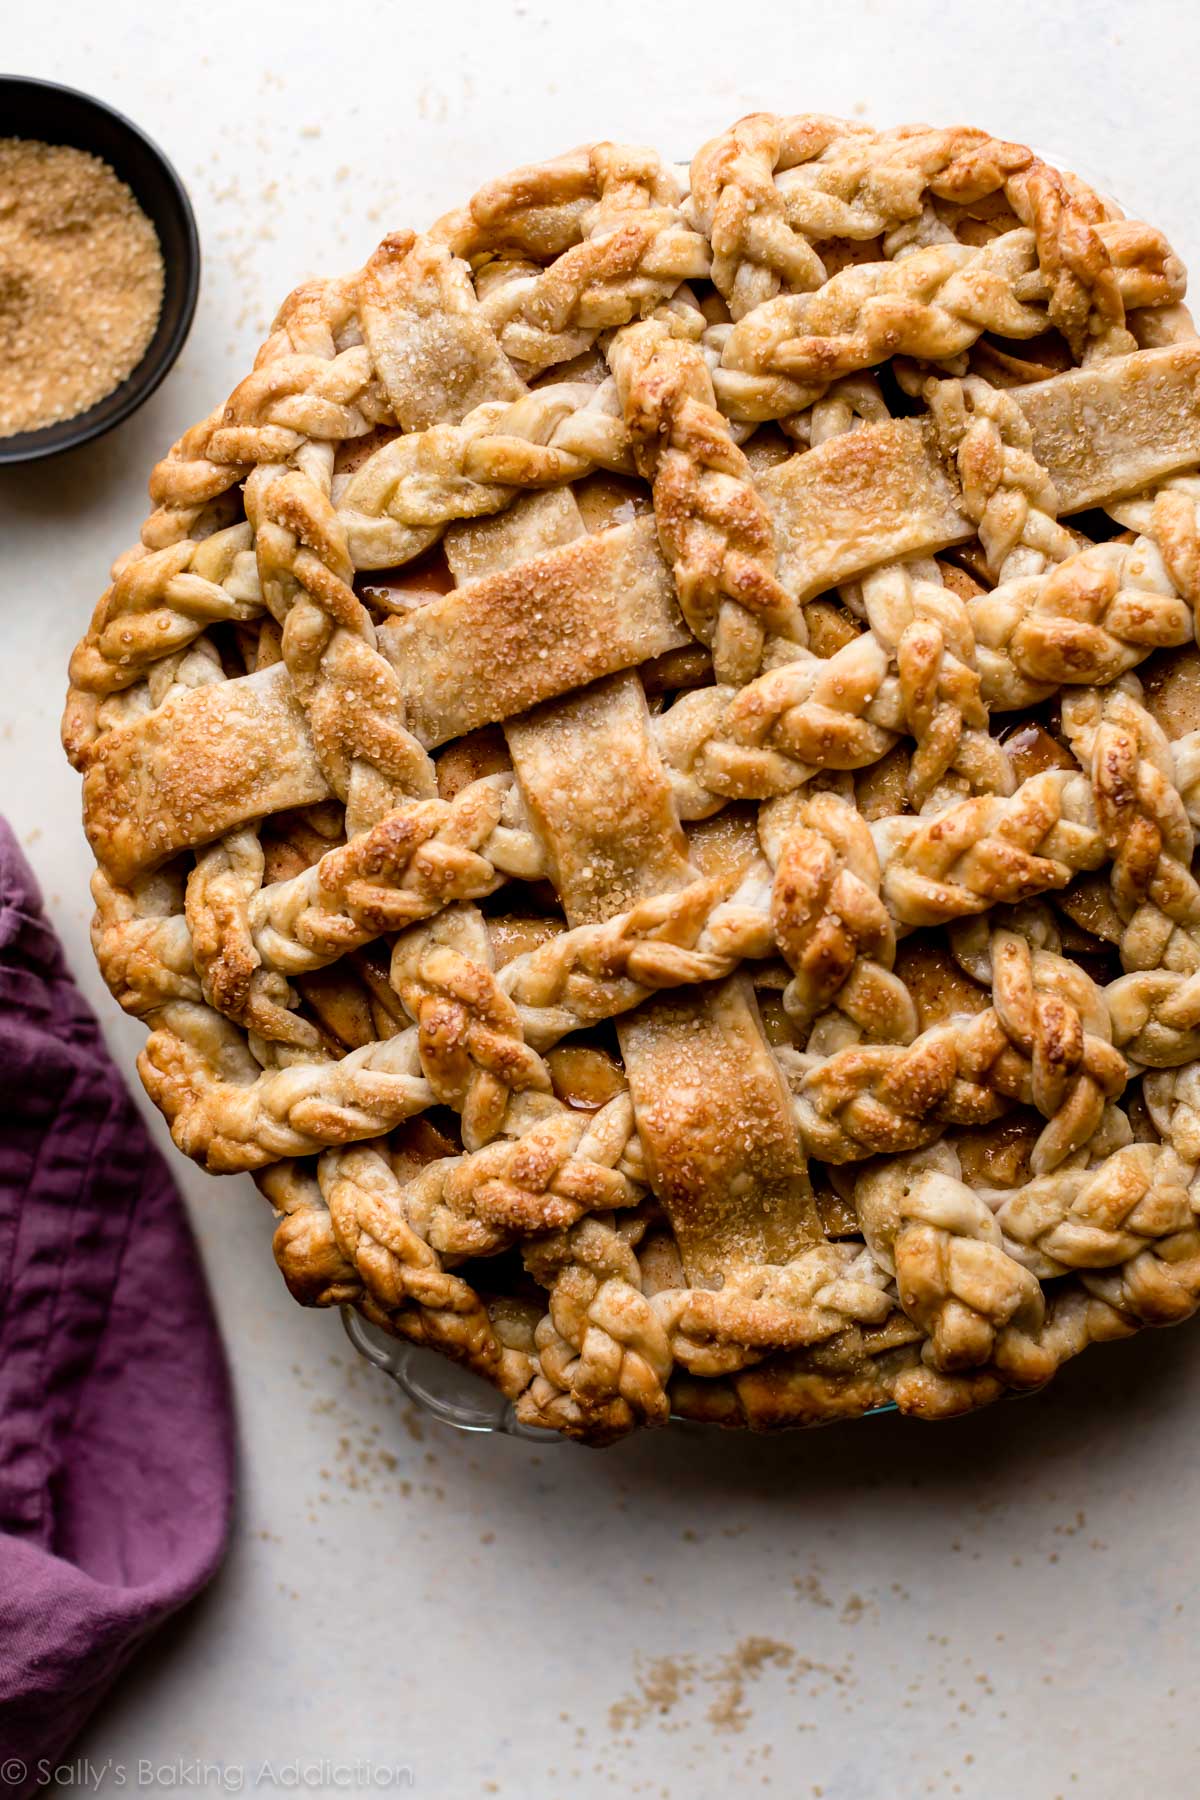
column 62, row 115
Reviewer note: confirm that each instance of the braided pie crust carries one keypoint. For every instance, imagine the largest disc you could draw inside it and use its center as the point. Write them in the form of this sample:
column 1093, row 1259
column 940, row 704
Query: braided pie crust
column 644, row 776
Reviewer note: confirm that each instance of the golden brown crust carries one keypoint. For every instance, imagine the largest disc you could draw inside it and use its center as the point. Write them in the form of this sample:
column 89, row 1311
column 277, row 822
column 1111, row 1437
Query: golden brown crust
column 869, row 496
column 502, row 644
column 203, row 762
column 1117, row 426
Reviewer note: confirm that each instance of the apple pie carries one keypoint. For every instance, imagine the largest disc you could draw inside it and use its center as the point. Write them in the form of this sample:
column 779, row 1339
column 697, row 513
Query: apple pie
column 644, row 777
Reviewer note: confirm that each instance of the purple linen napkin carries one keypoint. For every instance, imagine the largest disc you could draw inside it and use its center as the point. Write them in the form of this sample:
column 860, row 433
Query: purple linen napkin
column 116, row 1422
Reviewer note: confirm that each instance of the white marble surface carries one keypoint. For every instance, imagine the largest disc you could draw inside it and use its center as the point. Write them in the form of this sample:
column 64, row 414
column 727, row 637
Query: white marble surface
column 1009, row 1603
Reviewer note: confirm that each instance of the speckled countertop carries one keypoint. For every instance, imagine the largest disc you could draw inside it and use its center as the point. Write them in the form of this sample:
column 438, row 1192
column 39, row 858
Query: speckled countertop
column 887, row 1609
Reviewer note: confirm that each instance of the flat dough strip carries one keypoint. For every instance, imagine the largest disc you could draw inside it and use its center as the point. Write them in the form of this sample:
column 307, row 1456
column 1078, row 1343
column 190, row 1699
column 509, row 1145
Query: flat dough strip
column 863, row 498
column 544, row 520
column 718, row 1130
column 202, row 764
column 436, row 356
column 510, row 640
column 710, row 1102
column 601, row 800
column 1117, row 425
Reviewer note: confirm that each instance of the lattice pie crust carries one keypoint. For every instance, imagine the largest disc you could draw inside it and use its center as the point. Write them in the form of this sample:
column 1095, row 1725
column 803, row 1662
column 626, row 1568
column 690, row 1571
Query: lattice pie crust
column 621, row 792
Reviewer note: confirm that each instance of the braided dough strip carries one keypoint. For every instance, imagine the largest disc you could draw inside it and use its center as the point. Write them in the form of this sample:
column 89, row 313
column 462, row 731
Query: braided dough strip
column 606, row 1348
column 933, row 304
column 427, row 854
column 312, row 381
column 1155, row 1009
column 955, row 1279
column 603, row 1363
column 856, row 1103
column 714, row 528
column 160, row 600
column 402, row 497
column 347, row 687
column 864, row 1370
column 829, row 921
column 617, row 258
column 978, row 853
column 769, row 188
column 341, row 1241
column 474, row 1038
column 1045, row 1042
column 1097, row 1218
column 558, row 1166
